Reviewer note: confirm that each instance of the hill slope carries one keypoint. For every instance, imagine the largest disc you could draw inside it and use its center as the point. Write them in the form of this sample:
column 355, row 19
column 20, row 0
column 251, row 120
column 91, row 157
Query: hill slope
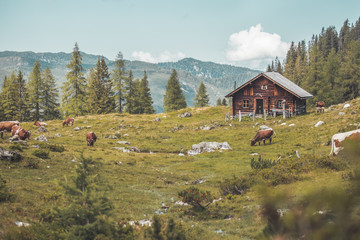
column 219, row 79
column 141, row 182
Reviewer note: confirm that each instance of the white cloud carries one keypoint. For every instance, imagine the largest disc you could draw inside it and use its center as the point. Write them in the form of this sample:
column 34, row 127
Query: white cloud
column 255, row 47
column 165, row 56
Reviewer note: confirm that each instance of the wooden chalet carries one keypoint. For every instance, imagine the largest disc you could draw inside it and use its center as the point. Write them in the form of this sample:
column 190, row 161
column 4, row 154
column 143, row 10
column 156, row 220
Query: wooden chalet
column 268, row 92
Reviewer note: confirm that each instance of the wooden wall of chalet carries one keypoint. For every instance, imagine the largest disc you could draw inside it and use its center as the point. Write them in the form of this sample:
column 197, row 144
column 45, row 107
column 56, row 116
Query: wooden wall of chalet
column 270, row 96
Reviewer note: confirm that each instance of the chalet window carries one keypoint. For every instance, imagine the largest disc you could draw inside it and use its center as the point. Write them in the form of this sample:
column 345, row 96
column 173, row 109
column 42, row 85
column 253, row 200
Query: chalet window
column 246, row 103
column 263, row 87
column 280, row 103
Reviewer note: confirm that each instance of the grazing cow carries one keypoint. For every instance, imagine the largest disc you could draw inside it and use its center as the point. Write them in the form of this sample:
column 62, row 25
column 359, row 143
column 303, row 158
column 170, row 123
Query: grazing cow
column 91, row 138
column 336, row 140
column 320, row 106
column 262, row 135
column 6, row 126
column 38, row 124
column 22, row 133
column 67, row 121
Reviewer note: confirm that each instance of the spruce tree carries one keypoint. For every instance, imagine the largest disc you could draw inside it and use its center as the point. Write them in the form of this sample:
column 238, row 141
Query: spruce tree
column 174, row 98
column 23, row 97
column 201, row 97
column 94, row 89
column 218, row 102
column 136, row 104
column 50, row 96
column 35, row 86
column 118, row 77
column 108, row 100
column 224, row 102
column 9, row 98
column 74, row 89
column 145, row 96
column 129, row 96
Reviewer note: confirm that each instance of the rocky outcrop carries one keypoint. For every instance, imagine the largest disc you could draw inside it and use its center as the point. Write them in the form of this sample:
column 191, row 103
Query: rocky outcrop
column 208, row 147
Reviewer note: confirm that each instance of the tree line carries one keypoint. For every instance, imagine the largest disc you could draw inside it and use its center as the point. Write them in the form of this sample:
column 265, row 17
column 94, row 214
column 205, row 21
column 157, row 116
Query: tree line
column 97, row 92
column 328, row 66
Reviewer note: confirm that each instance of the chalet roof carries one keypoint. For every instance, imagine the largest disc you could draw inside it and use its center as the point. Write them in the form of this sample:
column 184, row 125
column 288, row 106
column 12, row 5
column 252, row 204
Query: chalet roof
column 279, row 80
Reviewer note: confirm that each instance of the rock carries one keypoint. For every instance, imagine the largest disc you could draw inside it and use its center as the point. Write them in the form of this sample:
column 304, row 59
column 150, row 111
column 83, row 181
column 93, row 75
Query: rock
column 198, row 181
column 134, row 149
column 22, row 224
column 283, row 124
column 207, row 128
column 207, row 147
column 254, row 154
column 263, row 127
column 181, row 154
column 111, row 136
column 256, row 124
column 121, row 149
column 319, row 123
column 57, row 135
column 11, row 156
column 181, row 203
column 346, row 105
column 35, row 146
column 341, row 113
column 157, row 119
column 291, row 125
column 41, row 138
column 353, row 113
column 86, row 122
column 185, row 114
column 77, row 128
column 88, row 127
column 42, row 129
column 15, row 139
column 123, row 142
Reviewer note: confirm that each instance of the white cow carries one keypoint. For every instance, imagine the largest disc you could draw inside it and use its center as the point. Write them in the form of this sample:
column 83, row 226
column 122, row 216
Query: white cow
column 338, row 138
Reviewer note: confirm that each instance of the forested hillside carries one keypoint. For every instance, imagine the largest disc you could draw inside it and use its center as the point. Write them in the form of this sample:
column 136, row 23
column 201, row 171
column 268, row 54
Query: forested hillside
column 328, row 66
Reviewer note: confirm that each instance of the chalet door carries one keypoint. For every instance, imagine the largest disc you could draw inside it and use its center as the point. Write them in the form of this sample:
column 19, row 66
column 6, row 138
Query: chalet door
column 259, row 106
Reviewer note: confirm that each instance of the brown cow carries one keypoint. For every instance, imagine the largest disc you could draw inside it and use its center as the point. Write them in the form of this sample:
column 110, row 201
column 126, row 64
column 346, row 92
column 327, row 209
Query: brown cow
column 336, row 140
column 67, row 121
column 320, row 106
column 38, row 124
column 262, row 135
column 91, row 138
column 6, row 126
column 22, row 133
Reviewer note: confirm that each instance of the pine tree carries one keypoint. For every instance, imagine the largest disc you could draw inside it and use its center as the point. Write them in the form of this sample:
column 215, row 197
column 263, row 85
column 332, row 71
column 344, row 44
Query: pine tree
column 108, row 100
column 224, row 102
column 136, row 104
column 218, row 102
column 74, row 89
column 145, row 96
column 93, row 92
column 35, row 86
column 174, row 98
column 50, row 96
column 23, row 97
column 201, row 97
column 118, row 77
column 129, row 96
column 9, row 98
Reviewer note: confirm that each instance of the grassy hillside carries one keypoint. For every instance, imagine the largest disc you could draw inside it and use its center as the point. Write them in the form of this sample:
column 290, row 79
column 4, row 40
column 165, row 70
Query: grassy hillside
column 141, row 182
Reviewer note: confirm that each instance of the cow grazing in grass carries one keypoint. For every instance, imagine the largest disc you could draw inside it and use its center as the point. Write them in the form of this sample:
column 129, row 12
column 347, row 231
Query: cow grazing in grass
column 6, row 126
column 20, row 132
column 38, row 124
column 262, row 135
column 336, row 140
column 91, row 138
column 67, row 121
column 320, row 107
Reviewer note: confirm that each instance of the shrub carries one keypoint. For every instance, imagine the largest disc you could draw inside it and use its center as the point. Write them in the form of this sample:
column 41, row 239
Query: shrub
column 31, row 163
column 195, row 197
column 52, row 147
column 40, row 153
column 16, row 147
column 263, row 163
column 236, row 185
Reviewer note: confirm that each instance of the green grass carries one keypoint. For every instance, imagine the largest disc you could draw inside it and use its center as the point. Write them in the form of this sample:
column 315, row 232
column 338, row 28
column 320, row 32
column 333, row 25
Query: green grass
column 140, row 182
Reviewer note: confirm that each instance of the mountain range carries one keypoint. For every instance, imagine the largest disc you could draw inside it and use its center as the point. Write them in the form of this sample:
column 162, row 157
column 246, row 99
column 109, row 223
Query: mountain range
column 218, row 78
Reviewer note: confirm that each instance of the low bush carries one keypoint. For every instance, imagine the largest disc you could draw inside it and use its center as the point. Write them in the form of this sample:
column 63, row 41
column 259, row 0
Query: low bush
column 52, row 147
column 262, row 163
column 31, row 163
column 16, row 147
column 236, row 185
column 40, row 153
column 196, row 197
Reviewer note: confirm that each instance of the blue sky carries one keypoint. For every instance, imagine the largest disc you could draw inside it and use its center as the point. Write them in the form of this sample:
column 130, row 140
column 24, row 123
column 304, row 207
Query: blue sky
column 243, row 33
